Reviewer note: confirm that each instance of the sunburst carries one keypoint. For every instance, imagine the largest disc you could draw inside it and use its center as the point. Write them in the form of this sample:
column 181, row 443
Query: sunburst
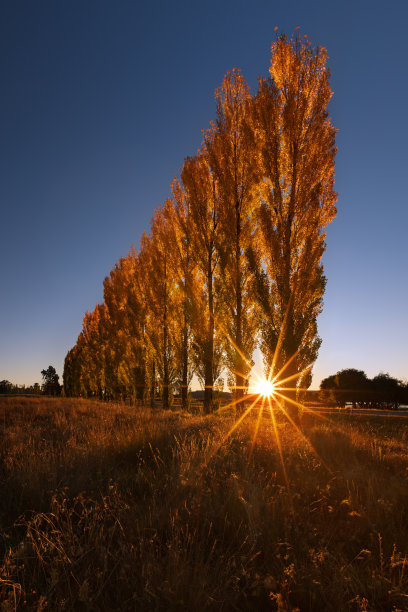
column 271, row 393
column 264, row 387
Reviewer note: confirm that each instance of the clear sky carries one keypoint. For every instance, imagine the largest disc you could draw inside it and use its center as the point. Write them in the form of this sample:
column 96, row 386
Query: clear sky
column 100, row 103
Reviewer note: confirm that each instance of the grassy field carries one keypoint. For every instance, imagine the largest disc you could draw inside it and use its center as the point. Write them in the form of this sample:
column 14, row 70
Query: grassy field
column 107, row 507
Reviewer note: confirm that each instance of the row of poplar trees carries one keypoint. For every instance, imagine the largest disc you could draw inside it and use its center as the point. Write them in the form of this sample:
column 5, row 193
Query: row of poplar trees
column 233, row 258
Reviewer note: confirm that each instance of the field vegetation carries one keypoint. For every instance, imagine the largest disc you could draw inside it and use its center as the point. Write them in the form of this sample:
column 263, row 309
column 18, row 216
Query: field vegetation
column 110, row 507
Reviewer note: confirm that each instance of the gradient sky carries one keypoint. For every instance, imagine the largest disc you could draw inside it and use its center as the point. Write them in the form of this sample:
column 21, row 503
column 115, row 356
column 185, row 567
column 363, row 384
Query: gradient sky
column 100, row 103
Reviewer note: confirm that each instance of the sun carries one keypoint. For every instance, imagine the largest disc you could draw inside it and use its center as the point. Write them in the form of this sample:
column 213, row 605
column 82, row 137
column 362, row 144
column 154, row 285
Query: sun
column 264, row 387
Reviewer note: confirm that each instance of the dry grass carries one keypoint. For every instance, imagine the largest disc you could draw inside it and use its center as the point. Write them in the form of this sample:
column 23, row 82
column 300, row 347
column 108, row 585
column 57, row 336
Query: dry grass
column 106, row 507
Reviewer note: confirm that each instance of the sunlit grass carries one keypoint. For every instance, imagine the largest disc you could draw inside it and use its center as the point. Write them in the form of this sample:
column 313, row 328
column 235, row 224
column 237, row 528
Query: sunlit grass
column 111, row 507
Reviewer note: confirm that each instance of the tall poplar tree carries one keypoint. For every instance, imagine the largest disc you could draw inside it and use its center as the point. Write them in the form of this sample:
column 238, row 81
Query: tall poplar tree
column 72, row 372
column 232, row 157
column 94, row 340
column 159, row 286
column 179, row 221
column 204, row 210
column 126, row 367
column 296, row 152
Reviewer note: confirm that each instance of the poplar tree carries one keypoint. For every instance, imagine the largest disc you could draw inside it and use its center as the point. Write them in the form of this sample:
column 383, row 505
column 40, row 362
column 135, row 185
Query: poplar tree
column 95, row 342
column 159, row 285
column 72, row 372
column 233, row 163
column 204, row 210
column 296, row 143
column 179, row 221
column 126, row 314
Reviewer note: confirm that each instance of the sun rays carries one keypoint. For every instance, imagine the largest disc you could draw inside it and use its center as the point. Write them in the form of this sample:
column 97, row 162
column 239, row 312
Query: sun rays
column 272, row 398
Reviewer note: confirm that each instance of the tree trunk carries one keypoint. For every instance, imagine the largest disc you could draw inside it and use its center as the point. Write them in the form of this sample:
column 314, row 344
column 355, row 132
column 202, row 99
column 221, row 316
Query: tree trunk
column 289, row 347
column 184, row 381
column 209, row 352
column 165, row 369
column 165, row 350
column 153, row 386
column 239, row 362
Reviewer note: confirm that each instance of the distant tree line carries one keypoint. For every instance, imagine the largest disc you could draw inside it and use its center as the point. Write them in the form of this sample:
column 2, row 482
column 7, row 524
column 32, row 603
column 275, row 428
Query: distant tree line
column 233, row 258
column 353, row 387
column 6, row 387
column 50, row 385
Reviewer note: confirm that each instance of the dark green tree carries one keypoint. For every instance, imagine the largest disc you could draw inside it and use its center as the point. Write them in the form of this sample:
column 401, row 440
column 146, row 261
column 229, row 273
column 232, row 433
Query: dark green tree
column 5, row 386
column 51, row 384
column 387, row 392
column 348, row 386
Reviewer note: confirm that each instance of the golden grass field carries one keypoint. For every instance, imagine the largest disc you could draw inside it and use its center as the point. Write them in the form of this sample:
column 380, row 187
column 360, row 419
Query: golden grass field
column 109, row 507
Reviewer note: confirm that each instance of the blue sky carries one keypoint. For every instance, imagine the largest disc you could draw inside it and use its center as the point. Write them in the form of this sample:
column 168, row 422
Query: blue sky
column 101, row 101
